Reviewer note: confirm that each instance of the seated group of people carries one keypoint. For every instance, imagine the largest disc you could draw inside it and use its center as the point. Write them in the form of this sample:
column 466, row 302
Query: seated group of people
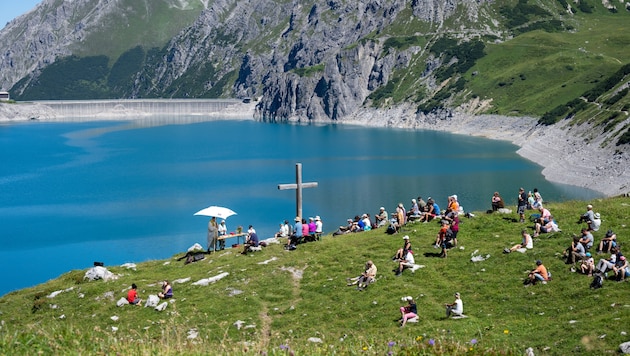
column 419, row 211
column 544, row 223
column 301, row 231
column 358, row 224
column 134, row 299
column 579, row 252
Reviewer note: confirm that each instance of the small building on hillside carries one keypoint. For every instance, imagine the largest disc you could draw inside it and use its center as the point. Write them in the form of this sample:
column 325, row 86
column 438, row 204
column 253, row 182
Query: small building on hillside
column 4, row 96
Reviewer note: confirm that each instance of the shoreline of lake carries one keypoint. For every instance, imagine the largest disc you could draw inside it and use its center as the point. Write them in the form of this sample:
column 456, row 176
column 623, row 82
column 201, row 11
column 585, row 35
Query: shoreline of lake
column 562, row 150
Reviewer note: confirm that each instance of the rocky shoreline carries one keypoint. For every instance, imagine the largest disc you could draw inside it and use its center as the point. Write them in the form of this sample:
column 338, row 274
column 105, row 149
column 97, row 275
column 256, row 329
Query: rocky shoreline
column 574, row 155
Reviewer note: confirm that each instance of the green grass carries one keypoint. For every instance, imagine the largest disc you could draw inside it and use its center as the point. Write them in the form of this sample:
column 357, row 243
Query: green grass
column 537, row 71
column 285, row 310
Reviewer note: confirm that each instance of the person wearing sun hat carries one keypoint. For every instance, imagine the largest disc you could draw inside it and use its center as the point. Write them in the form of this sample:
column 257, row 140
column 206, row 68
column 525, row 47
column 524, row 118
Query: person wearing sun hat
column 596, row 223
column 402, row 252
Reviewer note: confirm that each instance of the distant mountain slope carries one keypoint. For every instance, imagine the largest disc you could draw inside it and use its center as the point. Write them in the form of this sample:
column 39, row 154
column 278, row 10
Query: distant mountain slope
column 325, row 60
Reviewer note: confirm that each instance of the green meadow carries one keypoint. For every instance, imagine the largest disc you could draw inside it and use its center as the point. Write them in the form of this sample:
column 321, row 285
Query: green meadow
column 284, row 298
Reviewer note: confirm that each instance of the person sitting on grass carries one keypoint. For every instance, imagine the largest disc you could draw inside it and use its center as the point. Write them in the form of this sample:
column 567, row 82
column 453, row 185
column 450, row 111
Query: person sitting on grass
column 381, row 217
column 409, row 311
column 620, row 268
column 608, row 242
column 543, row 226
column 132, row 295
column 588, row 216
column 414, row 210
column 586, row 239
column 607, row 264
column 576, row 251
column 407, row 262
column 596, row 223
column 366, row 278
column 497, row 202
column 167, row 291
column 527, row 242
column 538, row 274
column 431, row 211
column 456, row 308
column 545, row 214
column 587, row 265
column 402, row 252
column 252, row 241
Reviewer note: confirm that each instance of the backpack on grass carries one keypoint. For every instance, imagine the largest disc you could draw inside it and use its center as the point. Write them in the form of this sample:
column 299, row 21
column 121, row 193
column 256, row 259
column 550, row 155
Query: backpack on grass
column 597, row 282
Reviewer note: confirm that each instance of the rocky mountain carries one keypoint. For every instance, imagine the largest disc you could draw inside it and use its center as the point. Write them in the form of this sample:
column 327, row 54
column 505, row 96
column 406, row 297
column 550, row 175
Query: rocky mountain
column 327, row 60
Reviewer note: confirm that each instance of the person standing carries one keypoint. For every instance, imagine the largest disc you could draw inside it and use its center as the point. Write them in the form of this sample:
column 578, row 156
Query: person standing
column 521, row 204
column 212, row 233
column 456, row 308
column 222, row 229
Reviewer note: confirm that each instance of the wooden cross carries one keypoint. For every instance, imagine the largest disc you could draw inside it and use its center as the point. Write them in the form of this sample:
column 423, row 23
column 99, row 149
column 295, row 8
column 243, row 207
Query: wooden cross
column 298, row 188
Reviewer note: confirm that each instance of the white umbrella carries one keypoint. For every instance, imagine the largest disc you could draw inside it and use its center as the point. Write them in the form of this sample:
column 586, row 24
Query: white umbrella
column 216, row 211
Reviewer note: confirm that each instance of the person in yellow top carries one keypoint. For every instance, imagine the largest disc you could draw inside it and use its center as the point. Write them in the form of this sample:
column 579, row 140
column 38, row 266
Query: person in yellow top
column 539, row 273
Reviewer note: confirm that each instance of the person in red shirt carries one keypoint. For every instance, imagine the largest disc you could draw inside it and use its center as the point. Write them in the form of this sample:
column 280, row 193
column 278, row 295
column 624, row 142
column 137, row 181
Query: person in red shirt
column 132, row 295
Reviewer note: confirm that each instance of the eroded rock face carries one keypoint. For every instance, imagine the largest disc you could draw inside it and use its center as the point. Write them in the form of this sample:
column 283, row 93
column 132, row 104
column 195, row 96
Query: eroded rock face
column 303, row 62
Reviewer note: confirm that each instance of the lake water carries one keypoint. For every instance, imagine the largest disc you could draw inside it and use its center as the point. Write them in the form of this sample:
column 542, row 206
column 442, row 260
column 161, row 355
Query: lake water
column 116, row 192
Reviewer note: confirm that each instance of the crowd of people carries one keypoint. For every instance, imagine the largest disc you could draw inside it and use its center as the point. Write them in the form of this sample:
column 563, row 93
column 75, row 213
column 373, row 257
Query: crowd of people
column 581, row 251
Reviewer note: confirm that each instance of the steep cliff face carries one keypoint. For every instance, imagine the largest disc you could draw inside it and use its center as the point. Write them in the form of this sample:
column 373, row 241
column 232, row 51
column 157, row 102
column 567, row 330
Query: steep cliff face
column 319, row 60
column 58, row 28
column 305, row 60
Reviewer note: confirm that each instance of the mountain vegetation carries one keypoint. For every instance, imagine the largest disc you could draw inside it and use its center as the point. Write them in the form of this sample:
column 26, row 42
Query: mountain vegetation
column 296, row 302
column 322, row 61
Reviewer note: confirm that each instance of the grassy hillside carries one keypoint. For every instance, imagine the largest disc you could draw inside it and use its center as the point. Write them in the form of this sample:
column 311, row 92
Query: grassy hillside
column 286, row 297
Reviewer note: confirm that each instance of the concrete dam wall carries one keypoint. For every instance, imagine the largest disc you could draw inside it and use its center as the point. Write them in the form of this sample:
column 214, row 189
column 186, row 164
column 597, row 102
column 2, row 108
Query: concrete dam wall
column 129, row 108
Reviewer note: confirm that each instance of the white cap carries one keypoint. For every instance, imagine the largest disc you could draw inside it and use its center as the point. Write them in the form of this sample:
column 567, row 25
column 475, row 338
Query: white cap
column 405, row 237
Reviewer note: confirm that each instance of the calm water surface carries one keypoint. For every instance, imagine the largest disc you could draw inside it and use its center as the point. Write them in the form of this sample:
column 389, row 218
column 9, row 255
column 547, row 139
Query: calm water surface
column 75, row 193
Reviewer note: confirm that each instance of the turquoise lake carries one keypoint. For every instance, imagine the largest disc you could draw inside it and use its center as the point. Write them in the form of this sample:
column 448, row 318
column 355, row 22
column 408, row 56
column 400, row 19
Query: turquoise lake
column 126, row 191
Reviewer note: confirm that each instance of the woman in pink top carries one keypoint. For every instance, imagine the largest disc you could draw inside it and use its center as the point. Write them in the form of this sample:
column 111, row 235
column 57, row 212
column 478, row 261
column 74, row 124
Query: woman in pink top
column 305, row 229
